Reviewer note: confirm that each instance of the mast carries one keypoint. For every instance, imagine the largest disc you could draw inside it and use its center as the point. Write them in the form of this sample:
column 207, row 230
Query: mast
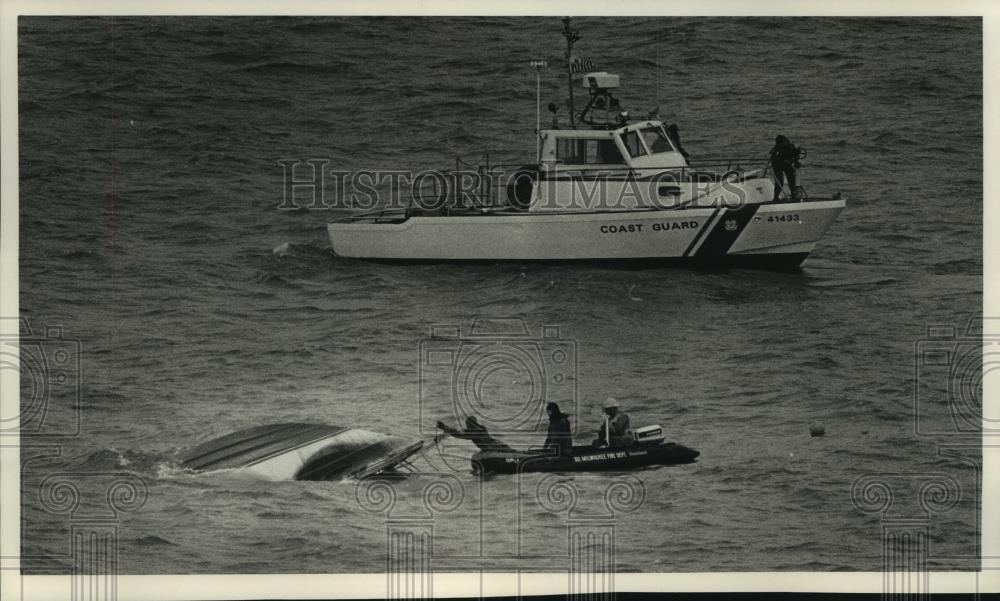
column 572, row 36
column 538, row 66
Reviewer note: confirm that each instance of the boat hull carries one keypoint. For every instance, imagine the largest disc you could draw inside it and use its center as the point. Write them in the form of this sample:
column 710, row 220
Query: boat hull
column 772, row 234
column 584, row 459
column 296, row 451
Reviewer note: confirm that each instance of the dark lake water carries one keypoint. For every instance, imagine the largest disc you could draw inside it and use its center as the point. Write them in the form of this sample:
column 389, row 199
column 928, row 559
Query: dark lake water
column 149, row 185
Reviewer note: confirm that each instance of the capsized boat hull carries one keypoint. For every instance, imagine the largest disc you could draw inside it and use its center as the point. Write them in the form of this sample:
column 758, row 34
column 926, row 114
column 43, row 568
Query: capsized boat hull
column 772, row 234
column 584, row 458
column 299, row 451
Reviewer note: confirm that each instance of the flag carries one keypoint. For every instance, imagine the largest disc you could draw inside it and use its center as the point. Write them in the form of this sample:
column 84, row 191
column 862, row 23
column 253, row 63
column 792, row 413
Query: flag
column 578, row 65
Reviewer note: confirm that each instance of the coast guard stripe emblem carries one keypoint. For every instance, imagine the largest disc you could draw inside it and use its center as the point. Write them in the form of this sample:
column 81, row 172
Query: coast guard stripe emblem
column 706, row 228
column 727, row 229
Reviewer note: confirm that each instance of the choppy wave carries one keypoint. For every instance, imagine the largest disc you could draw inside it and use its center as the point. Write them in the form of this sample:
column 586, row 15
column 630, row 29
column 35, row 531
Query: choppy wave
column 149, row 181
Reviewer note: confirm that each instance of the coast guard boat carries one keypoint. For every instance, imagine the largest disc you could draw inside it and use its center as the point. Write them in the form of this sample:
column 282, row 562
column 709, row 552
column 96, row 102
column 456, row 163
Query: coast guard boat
column 607, row 188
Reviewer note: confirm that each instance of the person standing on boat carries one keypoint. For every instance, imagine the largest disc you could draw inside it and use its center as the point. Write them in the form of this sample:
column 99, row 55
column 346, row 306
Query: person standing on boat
column 560, row 436
column 784, row 162
column 616, row 423
column 478, row 435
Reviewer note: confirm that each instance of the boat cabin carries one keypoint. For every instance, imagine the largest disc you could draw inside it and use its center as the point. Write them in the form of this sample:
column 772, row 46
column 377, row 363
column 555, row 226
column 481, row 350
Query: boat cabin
column 641, row 145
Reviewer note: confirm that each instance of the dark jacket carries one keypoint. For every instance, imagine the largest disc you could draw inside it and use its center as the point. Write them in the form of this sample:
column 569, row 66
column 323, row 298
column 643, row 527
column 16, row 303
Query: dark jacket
column 785, row 155
column 479, row 436
column 560, row 436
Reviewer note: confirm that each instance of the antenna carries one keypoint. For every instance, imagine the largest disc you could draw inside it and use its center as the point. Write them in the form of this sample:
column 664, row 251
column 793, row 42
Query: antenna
column 538, row 66
column 572, row 37
column 657, row 77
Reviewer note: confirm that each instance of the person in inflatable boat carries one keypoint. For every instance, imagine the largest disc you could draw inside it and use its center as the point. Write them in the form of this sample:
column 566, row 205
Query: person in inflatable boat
column 560, row 437
column 477, row 434
column 617, row 423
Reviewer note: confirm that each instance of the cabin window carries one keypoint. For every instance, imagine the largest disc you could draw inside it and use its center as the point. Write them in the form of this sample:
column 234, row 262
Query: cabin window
column 569, row 151
column 603, row 151
column 632, row 144
column 655, row 140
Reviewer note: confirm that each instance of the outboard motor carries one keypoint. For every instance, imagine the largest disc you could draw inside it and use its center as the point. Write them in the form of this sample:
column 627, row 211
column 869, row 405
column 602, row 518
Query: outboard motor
column 648, row 435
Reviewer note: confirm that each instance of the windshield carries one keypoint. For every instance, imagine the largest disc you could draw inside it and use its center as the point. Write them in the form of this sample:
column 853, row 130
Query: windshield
column 655, row 140
column 632, row 144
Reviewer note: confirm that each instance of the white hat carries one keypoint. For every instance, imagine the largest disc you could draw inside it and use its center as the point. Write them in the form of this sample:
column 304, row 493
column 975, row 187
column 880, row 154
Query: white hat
column 610, row 402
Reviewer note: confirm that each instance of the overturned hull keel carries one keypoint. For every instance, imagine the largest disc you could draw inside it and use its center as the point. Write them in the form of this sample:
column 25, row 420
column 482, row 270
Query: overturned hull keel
column 299, row 451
